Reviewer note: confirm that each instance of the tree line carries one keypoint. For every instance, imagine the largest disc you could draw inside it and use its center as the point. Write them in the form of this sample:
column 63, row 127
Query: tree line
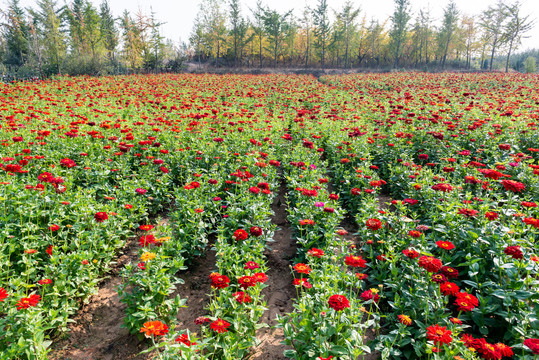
column 81, row 38
column 346, row 37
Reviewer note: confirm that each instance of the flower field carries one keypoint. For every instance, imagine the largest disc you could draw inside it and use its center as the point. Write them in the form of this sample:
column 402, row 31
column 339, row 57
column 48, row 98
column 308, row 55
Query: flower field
column 438, row 175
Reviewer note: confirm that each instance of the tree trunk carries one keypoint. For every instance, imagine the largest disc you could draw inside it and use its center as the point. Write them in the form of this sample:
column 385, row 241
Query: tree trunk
column 508, row 56
column 260, row 49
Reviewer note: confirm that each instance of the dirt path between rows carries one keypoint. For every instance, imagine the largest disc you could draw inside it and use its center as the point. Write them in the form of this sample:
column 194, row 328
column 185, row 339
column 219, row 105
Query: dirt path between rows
column 96, row 332
column 280, row 293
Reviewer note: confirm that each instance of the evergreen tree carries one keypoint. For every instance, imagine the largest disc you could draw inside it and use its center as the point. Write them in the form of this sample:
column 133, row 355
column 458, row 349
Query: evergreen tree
column 16, row 35
column 321, row 29
column 108, row 30
column 399, row 29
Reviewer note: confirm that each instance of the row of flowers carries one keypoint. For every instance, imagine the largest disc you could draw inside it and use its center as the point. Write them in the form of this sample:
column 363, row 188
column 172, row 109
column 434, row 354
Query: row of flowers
column 333, row 310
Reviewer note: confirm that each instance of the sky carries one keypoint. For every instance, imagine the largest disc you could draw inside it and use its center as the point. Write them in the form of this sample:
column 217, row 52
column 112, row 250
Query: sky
column 178, row 15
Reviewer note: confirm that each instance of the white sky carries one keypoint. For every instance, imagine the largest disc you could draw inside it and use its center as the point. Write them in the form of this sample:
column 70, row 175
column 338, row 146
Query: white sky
column 178, row 15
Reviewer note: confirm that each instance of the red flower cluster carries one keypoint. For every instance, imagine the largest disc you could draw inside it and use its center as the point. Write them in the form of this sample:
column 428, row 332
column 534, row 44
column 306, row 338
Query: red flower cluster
column 439, row 334
column 374, row 224
column 219, row 281
column 355, row 261
column 26, row 302
column 240, row 235
column 338, row 302
column 429, row 263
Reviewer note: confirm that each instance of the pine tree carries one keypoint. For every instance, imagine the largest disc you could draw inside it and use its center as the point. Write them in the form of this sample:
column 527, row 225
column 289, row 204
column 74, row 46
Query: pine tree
column 399, row 31
column 321, row 29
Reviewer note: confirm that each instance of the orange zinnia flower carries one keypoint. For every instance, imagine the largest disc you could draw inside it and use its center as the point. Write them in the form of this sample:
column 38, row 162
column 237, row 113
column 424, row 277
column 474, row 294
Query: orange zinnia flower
column 155, row 328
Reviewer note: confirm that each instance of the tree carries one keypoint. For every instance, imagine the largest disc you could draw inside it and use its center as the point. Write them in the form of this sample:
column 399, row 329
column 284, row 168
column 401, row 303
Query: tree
column 132, row 42
column 51, row 34
column 449, row 26
column 321, row 29
column 275, row 25
column 197, row 36
column 347, row 17
column 237, row 29
column 469, row 34
column 92, row 28
column 16, row 34
column 214, row 19
column 492, row 22
column 259, row 27
column 374, row 37
column 515, row 28
column 108, row 30
column 399, row 31
column 529, row 65
column 306, row 22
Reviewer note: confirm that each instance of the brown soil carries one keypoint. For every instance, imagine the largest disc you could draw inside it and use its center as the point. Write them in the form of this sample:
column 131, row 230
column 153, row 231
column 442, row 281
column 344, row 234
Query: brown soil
column 96, row 332
column 280, row 293
column 196, row 288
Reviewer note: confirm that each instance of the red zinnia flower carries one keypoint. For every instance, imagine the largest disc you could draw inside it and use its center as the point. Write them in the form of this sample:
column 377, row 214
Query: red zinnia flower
column 155, row 328
column 256, row 231
column 260, row 277
column 45, row 281
column 504, row 349
column 242, row 297
column 246, row 281
column 306, row 222
column 465, row 301
column 447, row 245
column 54, row 227
column 26, row 302
column 240, row 234
column 439, row 334
column 514, row 251
column 184, row 339
column 251, row 265
column 514, row 186
column 533, row 345
column 450, row 272
column 438, row 278
column 338, row 302
column 147, row 240
column 449, row 288
column 220, row 325
column 101, row 216
column 302, row 282
column 468, row 212
column 369, row 295
column 317, row 253
column 3, row 294
column 374, row 224
column 410, row 253
column 219, row 281
column 429, row 263
column 489, row 351
column 355, row 261
column 302, row 268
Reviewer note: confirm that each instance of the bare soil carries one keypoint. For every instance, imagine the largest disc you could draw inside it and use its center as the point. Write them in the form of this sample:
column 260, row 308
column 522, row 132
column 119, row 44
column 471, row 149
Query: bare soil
column 280, row 293
column 96, row 332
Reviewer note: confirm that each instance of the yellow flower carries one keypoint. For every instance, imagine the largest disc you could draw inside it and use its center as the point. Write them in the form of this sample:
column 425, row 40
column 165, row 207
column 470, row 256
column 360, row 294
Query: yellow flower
column 147, row 256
